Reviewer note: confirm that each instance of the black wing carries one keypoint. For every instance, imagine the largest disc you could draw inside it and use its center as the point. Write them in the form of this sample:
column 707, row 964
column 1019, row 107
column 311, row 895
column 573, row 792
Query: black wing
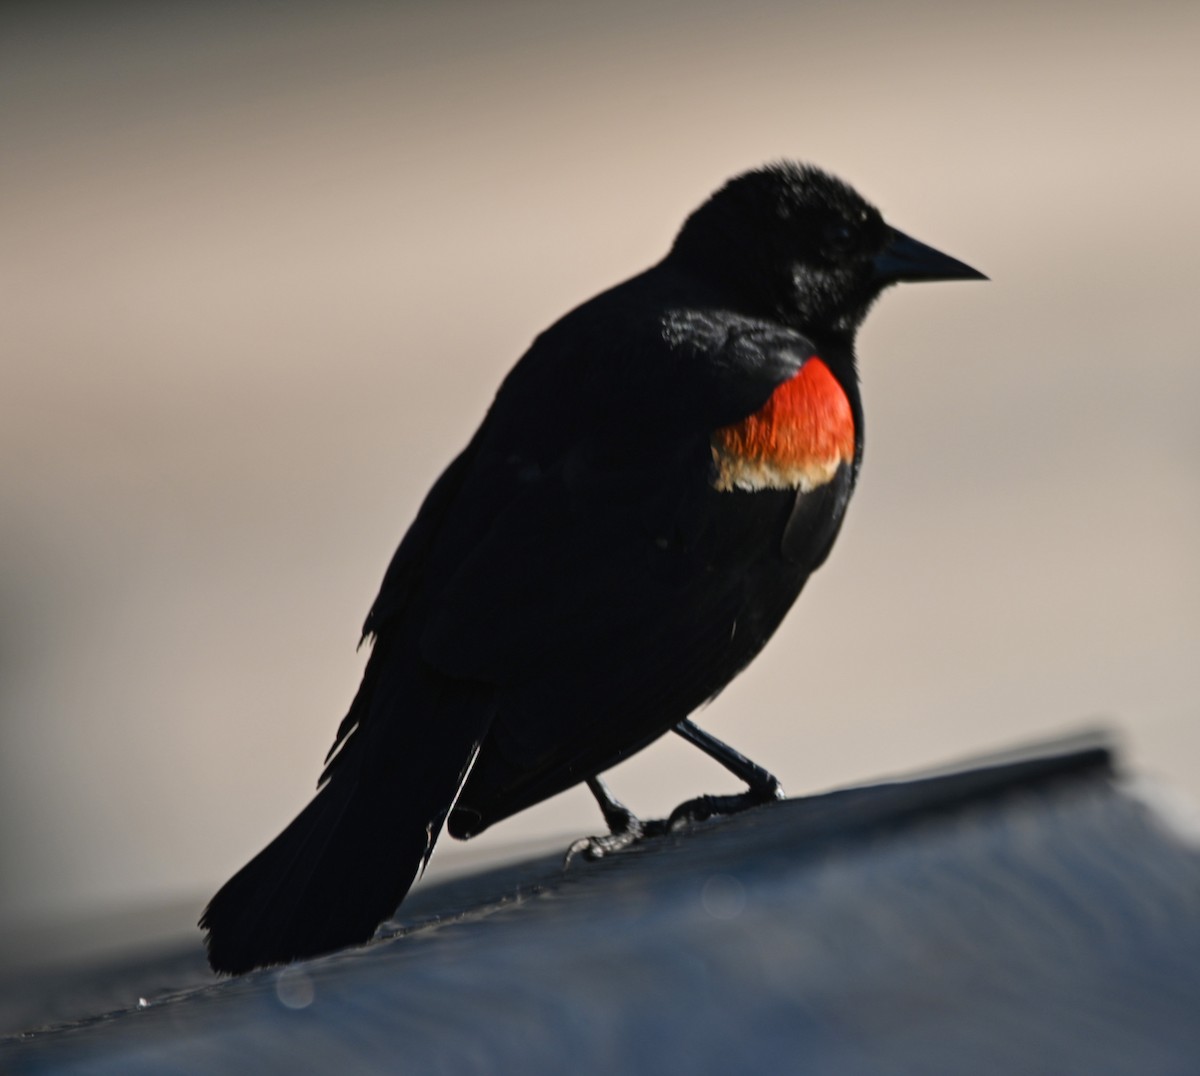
column 612, row 590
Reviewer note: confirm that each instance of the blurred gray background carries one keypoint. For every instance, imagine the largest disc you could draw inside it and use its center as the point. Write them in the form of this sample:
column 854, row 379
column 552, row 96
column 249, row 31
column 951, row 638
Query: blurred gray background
column 262, row 267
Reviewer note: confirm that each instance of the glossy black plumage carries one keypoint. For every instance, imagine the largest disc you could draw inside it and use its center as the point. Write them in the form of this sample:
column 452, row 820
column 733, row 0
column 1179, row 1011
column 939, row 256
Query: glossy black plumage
column 574, row 584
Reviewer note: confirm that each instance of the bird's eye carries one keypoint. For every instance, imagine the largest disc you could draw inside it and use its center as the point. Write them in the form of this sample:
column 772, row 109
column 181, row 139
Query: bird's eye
column 839, row 237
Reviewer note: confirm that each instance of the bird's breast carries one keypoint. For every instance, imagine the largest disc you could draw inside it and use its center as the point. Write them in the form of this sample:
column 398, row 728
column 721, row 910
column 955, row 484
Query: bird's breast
column 796, row 440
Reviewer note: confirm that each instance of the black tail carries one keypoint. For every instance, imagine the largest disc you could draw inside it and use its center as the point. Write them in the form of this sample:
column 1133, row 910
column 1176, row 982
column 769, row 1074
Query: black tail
column 347, row 860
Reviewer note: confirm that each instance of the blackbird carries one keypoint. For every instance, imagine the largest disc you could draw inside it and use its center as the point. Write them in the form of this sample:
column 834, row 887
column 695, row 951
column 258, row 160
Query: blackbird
column 656, row 479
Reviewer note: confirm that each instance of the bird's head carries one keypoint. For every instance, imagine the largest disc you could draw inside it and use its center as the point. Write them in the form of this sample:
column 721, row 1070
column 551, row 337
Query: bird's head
column 799, row 245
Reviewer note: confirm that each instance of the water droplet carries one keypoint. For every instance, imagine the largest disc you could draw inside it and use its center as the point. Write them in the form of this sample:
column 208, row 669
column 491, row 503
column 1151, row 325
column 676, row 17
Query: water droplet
column 723, row 896
column 294, row 988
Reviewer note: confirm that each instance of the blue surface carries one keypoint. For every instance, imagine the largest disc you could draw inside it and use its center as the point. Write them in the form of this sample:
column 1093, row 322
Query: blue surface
column 1027, row 918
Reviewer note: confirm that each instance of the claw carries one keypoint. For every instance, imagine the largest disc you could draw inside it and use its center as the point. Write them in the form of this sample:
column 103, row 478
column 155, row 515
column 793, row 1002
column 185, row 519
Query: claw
column 703, row 808
column 593, row 848
column 626, row 827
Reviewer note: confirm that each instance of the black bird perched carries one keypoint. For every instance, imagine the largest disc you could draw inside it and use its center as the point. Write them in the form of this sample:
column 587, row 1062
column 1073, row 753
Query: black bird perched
column 655, row 481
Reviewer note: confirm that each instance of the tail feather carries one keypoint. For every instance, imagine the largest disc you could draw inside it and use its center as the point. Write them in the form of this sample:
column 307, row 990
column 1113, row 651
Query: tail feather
column 346, row 861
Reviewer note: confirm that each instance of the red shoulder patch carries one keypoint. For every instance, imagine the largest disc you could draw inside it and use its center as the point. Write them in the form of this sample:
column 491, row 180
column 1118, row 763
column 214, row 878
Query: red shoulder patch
column 796, row 440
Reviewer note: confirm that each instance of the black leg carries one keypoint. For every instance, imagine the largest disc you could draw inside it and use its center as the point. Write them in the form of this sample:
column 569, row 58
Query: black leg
column 764, row 787
column 625, row 827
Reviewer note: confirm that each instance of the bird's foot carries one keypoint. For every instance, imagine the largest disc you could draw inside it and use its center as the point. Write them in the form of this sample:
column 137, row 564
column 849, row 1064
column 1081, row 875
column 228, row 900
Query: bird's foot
column 703, row 808
column 629, row 831
column 625, row 828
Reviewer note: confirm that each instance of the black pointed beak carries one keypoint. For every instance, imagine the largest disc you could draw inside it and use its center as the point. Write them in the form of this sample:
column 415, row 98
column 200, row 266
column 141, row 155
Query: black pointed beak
column 906, row 259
